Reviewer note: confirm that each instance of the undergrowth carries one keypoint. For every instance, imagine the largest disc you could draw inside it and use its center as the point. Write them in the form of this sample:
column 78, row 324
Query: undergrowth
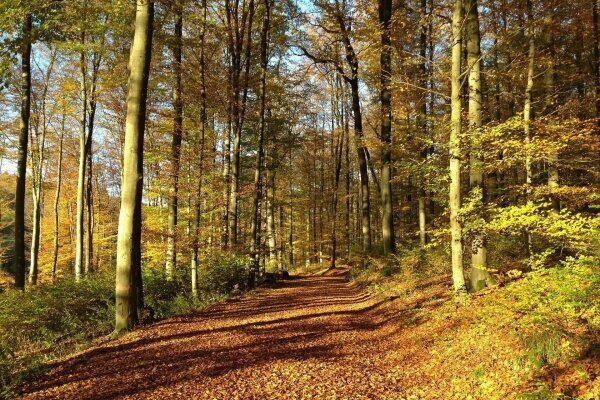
column 538, row 333
column 52, row 320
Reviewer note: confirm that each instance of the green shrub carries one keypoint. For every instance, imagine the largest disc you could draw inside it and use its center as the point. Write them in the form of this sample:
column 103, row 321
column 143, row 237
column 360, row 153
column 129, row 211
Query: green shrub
column 223, row 274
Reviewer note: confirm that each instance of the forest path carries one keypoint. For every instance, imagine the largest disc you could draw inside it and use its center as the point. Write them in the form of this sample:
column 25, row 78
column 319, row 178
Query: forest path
column 311, row 337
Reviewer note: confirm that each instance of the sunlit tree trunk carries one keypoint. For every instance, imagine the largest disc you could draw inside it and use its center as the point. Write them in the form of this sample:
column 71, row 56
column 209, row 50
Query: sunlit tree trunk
column 57, row 193
column 458, row 277
column 25, row 83
column 129, row 295
column 480, row 277
column 387, row 220
column 37, row 172
column 79, row 224
column 175, row 143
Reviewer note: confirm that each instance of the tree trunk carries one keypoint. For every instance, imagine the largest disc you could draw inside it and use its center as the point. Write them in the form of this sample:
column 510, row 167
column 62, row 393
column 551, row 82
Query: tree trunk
column 37, row 172
column 258, row 173
column 423, row 79
column 57, row 193
column 203, row 121
column 237, row 109
column 175, row 144
column 129, row 295
column 480, row 277
column 527, row 110
column 271, row 240
column 596, row 61
column 458, row 277
column 549, row 106
column 387, row 220
column 22, row 158
column 79, row 224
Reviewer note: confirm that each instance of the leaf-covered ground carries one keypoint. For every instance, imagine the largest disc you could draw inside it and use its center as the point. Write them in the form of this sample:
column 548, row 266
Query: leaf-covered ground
column 313, row 337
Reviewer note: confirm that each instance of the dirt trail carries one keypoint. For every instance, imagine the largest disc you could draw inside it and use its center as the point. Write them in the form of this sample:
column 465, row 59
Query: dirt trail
column 313, row 337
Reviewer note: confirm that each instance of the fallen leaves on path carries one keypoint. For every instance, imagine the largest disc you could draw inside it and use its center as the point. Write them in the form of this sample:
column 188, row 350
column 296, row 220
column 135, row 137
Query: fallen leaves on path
column 313, row 337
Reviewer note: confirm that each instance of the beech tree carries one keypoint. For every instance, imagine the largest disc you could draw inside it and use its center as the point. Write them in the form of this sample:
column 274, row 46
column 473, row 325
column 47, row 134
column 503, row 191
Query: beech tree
column 129, row 295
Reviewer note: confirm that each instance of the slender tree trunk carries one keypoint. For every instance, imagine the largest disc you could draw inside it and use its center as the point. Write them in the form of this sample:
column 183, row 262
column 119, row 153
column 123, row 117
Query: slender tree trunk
column 38, row 160
column 271, row 240
column 22, row 157
column 423, row 78
column 89, row 195
column 129, row 294
column 458, row 277
column 347, row 162
column 57, row 193
column 387, row 220
column 203, row 121
column 549, row 106
column 175, row 144
column 256, row 220
column 527, row 110
column 596, row 61
column 79, row 224
column 238, row 109
column 480, row 277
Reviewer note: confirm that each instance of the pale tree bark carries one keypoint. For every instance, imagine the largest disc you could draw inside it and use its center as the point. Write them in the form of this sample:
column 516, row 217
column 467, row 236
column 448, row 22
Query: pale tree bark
column 25, row 83
column 458, row 277
column 258, row 173
column 270, row 211
column 37, row 172
column 79, row 224
column 57, row 192
column 129, row 295
column 387, row 220
column 203, row 122
column 480, row 276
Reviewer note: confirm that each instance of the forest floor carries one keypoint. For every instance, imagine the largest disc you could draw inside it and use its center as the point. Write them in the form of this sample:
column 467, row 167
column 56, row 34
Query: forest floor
column 310, row 337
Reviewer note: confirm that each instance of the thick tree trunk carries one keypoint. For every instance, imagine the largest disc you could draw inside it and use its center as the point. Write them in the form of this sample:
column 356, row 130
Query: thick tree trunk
column 175, row 144
column 25, row 83
column 129, row 295
column 480, row 277
column 458, row 277
column 387, row 220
